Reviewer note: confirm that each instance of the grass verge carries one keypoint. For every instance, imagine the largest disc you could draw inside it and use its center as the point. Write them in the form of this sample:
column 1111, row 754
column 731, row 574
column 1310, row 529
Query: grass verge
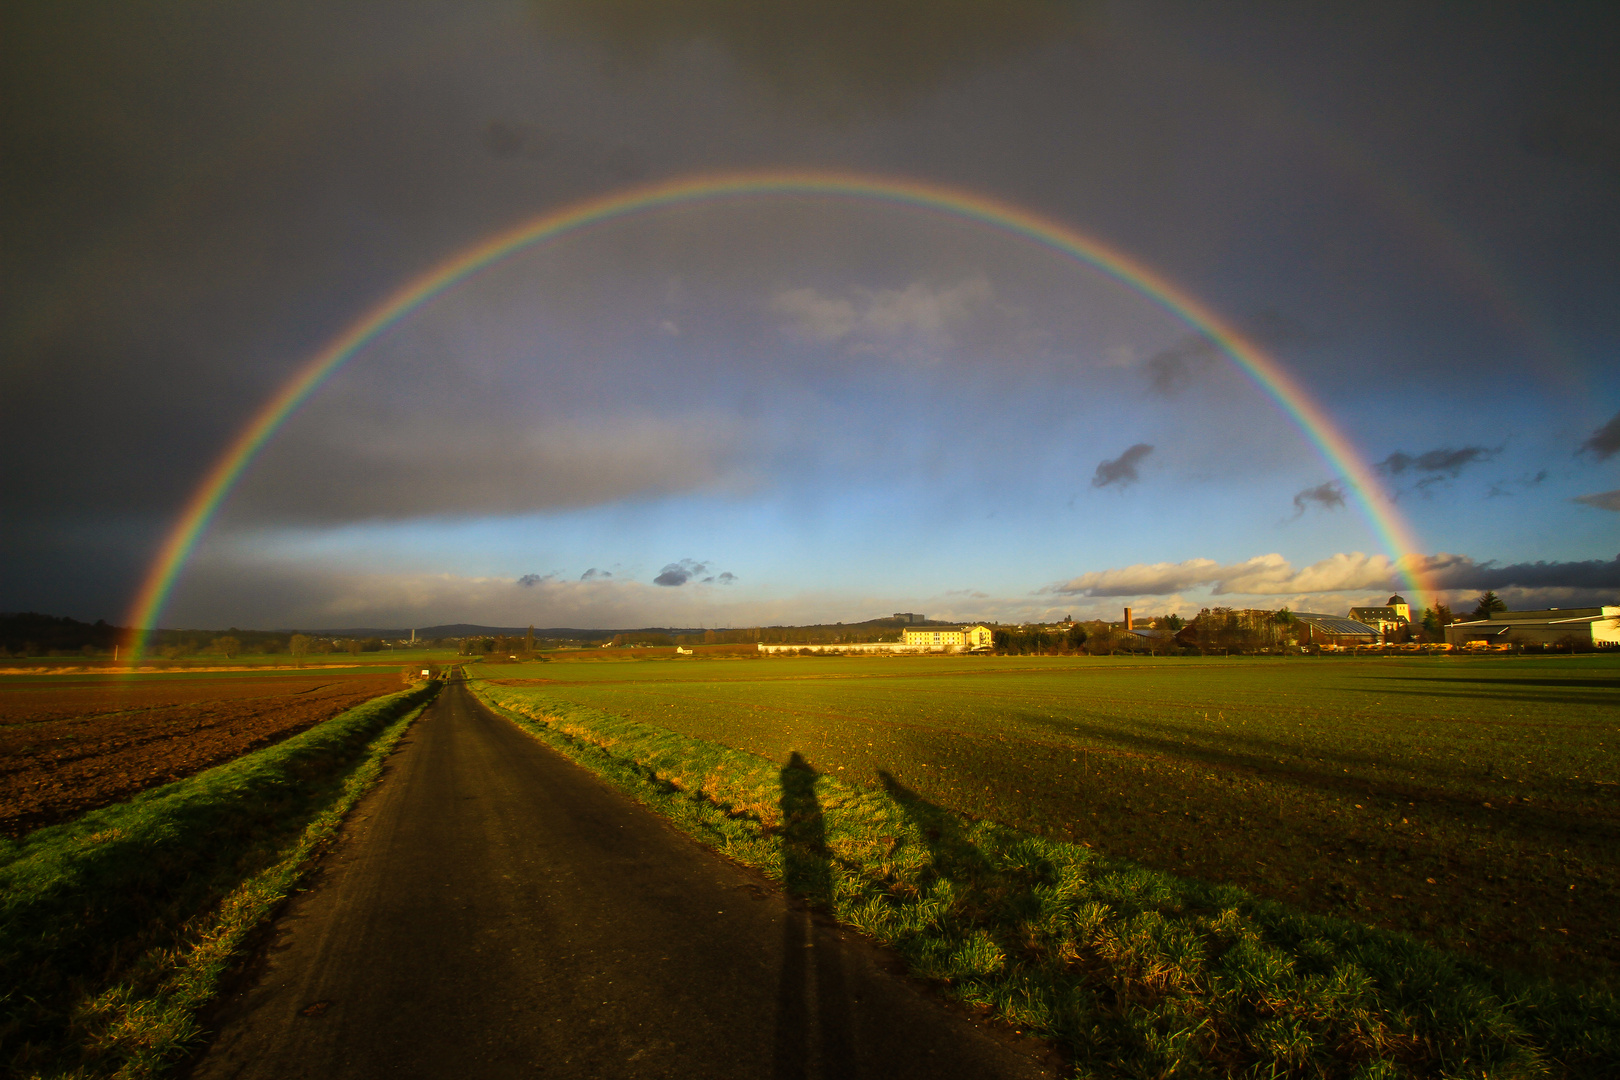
column 116, row 928
column 1132, row 971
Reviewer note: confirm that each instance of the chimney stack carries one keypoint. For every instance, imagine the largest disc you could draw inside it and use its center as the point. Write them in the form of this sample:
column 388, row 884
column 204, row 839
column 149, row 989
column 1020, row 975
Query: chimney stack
column 1128, row 625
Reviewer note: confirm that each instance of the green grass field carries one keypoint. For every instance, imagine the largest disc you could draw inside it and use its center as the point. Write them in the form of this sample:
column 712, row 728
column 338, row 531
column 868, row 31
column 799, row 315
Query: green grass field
column 1471, row 802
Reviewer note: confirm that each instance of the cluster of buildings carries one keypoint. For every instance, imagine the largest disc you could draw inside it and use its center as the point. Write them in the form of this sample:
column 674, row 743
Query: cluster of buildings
column 1590, row 627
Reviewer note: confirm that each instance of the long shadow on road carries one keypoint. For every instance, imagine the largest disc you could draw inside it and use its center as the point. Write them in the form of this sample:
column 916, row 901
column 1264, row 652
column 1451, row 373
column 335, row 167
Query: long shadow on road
column 813, row 1006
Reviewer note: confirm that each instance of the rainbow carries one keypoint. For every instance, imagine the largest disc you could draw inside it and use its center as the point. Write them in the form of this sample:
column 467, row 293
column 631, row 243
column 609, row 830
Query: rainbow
column 955, row 203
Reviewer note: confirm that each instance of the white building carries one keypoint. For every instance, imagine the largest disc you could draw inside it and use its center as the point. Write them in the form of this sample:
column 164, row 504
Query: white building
column 917, row 639
column 970, row 637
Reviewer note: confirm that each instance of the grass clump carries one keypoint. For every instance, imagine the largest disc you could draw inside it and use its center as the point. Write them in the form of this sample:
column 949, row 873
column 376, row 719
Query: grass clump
column 1132, row 971
column 116, row 928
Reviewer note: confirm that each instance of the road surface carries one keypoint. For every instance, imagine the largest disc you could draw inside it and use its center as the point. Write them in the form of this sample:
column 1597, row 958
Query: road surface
column 493, row 910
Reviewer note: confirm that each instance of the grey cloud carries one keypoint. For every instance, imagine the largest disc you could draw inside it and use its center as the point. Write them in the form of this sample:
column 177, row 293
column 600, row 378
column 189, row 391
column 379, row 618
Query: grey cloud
column 1433, row 466
column 679, row 573
column 726, row 578
column 1501, row 489
column 529, row 581
column 593, row 574
column 1605, row 441
column 1121, row 470
column 1175, row 368
column 1327, row 495
column 1603, row 500
column 1462, row 572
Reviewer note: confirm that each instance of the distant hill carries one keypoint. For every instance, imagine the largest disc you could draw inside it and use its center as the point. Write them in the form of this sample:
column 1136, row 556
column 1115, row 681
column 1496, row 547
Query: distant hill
column 462, row 630
column 35, row 634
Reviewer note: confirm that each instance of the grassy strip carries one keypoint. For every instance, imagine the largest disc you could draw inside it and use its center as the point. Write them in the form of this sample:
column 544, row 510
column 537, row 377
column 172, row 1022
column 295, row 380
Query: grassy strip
column 1133, row 971
column 116, row 927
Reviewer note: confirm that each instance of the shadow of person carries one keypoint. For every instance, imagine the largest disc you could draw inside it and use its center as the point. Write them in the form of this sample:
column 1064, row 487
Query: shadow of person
column 954, row 855
column 813, row 1034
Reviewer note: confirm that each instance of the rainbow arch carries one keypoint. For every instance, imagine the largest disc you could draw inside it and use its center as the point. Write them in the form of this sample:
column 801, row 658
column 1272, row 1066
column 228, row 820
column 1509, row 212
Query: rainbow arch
column 957, row 203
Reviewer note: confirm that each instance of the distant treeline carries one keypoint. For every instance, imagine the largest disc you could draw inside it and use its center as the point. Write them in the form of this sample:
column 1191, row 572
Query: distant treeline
column 29, row 633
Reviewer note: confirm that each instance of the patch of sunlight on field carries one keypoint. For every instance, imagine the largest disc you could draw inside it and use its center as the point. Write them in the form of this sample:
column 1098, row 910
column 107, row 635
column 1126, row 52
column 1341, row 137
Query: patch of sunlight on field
column 1473, row 801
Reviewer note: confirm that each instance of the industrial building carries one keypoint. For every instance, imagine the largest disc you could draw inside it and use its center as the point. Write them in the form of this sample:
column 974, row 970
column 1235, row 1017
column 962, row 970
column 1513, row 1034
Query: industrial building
column 1584, row 627
column 1334, row 630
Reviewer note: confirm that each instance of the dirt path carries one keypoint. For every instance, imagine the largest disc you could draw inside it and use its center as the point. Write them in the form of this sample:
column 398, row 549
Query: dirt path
column 495, row 911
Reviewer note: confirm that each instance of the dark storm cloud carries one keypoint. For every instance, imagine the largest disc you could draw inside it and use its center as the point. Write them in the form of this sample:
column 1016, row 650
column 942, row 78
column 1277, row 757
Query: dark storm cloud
column 466, row 460
column 1433, row 466
column 1328, row 496
column 1605, row 441
column 1462, row 573
column 195, row 197
column 831, row 56
column 679, row 573
column 1602, row 500
column 593, row 574
column 1121, row 470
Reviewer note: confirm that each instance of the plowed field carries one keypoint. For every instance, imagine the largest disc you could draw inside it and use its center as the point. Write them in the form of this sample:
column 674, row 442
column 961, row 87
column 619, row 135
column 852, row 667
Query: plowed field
column 69, row 746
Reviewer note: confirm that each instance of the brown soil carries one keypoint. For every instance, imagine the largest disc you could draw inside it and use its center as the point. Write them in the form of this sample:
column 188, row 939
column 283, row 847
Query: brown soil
column 69, row 748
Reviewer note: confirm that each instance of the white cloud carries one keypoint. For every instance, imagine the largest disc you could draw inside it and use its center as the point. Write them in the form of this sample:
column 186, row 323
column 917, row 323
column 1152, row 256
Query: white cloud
column 1270, row 575
column 815, row 316
column 1142, row 579
column 920, row 314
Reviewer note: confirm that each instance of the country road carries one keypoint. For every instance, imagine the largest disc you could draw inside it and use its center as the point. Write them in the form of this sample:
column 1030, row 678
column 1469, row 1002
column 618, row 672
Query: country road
column 492, row 910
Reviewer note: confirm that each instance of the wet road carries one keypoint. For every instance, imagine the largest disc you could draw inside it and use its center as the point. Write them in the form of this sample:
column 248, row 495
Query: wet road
column 492, row 910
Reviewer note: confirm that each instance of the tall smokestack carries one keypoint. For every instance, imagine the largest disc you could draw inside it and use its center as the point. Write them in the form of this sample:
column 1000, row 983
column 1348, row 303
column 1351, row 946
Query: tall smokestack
column 1128, row 625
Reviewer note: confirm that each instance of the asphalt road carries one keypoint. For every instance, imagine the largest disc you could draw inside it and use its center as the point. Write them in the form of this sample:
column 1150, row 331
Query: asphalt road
column 492, row 910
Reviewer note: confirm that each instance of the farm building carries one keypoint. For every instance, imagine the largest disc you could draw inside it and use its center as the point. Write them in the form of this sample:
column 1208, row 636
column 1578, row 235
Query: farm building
column 1335, row 630
column 1595, row 626
column 1388, row 617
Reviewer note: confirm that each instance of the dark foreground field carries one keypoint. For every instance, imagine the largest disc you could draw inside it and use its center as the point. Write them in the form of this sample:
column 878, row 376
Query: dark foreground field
column 69, row 744
column 1471, row 802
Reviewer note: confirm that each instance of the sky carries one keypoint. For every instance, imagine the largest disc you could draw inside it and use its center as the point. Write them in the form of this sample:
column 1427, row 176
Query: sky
column 795, row 408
